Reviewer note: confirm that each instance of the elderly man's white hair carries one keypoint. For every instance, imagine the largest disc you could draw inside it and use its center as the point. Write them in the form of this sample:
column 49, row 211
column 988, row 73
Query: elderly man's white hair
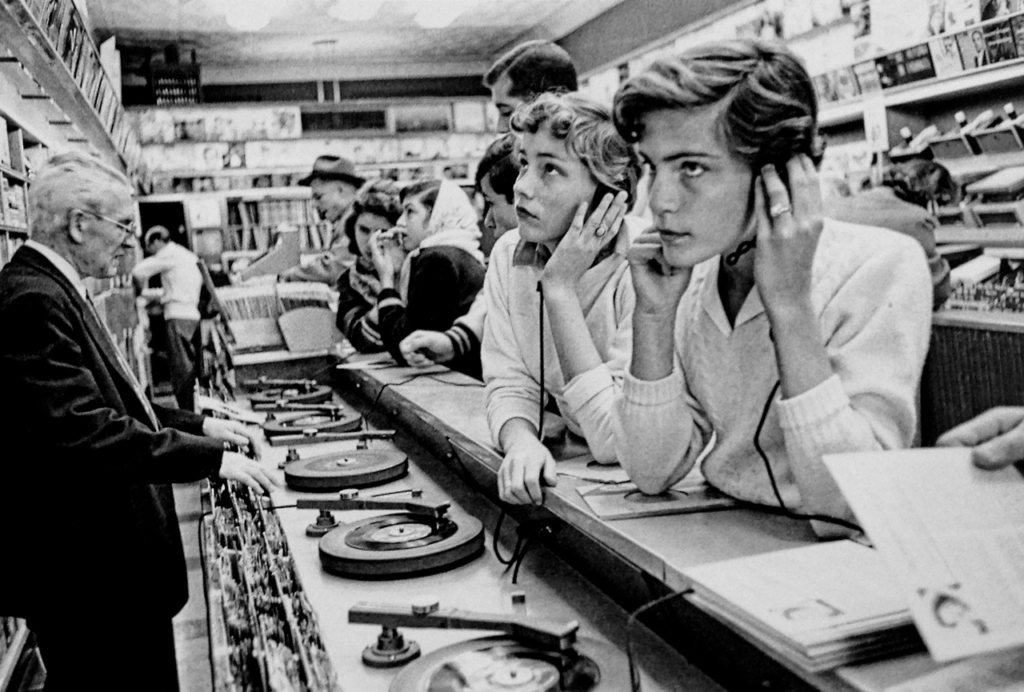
column 68, row 181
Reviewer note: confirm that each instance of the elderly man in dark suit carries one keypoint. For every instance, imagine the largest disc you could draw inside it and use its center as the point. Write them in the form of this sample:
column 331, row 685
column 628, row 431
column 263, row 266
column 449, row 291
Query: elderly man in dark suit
column 92, row 555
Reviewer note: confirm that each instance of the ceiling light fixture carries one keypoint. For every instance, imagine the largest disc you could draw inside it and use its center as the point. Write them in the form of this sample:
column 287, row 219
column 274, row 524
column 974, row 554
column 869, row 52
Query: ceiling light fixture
column 248, row 15
column 354, row 10
column 438, row 14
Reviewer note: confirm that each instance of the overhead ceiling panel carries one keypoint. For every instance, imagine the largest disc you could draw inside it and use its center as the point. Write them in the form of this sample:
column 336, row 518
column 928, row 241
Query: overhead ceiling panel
column 305, row 31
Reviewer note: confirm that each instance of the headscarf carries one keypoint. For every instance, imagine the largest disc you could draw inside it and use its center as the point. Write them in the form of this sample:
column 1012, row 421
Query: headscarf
column 453, row 223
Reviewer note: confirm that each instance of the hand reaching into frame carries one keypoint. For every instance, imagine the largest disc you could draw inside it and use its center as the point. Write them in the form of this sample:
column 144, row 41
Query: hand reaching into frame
column 995, row 436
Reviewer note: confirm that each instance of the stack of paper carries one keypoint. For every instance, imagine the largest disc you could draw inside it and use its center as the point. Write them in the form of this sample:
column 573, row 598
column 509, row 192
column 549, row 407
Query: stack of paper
column 819, row 606
column 953, row 538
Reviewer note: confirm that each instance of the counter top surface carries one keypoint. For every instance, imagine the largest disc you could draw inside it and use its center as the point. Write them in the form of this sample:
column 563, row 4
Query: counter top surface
column 451, row 405
column 553, row 590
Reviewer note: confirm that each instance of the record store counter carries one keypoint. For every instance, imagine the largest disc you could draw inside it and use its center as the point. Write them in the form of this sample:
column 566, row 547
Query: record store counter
column 635, row 560
column 480, row 583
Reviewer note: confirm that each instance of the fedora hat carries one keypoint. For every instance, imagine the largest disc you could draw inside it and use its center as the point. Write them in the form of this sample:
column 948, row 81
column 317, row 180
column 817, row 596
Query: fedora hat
column 333, row 168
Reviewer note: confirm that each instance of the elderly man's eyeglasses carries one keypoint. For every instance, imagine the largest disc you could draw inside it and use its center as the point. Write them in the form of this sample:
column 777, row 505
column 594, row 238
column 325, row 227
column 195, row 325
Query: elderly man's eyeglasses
column 128, row 228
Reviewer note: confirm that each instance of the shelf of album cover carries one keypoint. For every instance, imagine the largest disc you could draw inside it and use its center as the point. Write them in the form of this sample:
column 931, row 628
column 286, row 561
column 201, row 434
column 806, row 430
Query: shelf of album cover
column 255, row 194
column 553, row 590
column 450, row 406
column 958, row 86
column 293, row 170
column 30, row 45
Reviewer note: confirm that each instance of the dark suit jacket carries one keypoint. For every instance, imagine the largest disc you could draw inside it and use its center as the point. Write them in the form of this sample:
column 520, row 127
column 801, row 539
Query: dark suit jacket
column 86, row 514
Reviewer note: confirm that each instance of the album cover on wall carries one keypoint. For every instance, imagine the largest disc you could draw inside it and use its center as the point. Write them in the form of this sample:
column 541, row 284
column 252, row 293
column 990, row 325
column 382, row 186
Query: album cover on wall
column 946, row 56
column 973, row 49
column 1017, row 26
column 867, row 77
column 999, row 41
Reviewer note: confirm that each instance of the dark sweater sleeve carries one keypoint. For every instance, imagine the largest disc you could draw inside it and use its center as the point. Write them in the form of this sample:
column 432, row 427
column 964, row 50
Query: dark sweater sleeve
column 354, row 318
column 60, row 401
column 438, row 285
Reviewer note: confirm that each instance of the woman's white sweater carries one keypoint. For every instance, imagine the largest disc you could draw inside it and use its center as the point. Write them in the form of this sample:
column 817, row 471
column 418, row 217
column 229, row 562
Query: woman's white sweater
column 511, row 347
column 872, row 292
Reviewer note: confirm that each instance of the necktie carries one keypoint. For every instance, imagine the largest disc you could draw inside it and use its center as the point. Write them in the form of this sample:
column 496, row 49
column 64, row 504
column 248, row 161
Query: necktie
column 126, row 369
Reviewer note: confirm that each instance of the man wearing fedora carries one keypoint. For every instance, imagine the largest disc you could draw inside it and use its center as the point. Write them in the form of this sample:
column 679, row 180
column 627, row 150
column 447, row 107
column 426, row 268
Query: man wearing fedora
column 334, row 183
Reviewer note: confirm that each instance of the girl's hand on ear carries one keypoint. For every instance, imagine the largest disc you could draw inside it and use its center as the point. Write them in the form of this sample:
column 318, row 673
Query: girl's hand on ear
column 382, row 260
column 578, row 248
column 658, row 285
column 789, row 224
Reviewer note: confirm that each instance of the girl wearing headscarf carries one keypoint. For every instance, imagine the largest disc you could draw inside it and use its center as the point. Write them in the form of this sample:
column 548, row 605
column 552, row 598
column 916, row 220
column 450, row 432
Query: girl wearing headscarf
column 442, row 272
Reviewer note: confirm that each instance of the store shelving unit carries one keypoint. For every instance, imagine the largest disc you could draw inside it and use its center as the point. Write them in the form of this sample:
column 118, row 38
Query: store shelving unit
column 13, row 191
column 208, row 157
column 47, row 40
column 956, row 87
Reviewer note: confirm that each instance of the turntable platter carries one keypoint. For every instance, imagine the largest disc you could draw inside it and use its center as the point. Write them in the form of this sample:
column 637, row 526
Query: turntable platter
column 502, row 664
column 401, row 545
column 344, row 421
column 268, row 398
column 353, row 469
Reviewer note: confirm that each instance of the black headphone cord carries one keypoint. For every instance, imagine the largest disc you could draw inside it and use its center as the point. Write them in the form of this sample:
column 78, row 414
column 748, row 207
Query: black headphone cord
column 771, row 474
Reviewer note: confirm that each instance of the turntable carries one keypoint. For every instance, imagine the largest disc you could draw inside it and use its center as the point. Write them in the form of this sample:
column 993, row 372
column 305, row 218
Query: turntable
column 358, row 468
column 278, row 394
column 423, row 538
column 296, row 419
column 531, row 656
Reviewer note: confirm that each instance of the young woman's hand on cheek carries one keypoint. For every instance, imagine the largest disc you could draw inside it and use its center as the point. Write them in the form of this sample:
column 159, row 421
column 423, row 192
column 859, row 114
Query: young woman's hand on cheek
column 578, row 248
column 527, row 466
column 658, row 285
column 382, row 260
column 789, row 224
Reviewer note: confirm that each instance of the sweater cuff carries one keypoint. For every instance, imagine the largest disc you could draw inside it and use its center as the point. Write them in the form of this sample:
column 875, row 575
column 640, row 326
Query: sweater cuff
column 509, row 408
column 463, row 339
column 587, row 385
column 389, row 298
column 653, row 392
column 813, row 406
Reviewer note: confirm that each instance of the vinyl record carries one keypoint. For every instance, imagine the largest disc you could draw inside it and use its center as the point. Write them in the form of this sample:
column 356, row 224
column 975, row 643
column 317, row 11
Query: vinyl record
column 401, row 545
column 354, row 469
column 346, row 421
column 502, row 664
column 268, row 398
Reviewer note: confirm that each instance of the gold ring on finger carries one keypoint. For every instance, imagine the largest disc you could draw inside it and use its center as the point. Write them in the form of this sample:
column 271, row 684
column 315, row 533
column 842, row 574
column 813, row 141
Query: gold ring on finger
column 778, row 210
